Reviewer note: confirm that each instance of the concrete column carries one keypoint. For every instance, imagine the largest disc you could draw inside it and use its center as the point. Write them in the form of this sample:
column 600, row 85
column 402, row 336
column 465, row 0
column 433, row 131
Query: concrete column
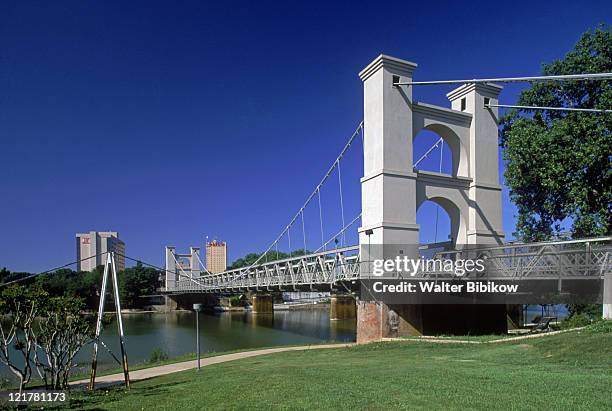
column 388, row 187
column 194, row 261
column 342, row 307
column 485, row 219
column 171, row 273
column 263, row 304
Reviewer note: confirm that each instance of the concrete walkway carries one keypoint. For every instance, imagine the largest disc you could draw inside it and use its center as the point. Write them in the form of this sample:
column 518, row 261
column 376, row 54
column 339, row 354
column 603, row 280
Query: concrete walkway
column 106, row 380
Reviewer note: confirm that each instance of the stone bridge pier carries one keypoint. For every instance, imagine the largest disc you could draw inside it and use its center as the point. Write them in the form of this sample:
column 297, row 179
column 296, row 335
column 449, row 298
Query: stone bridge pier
column 342, row 307
column 392, row 191
column 262, row 303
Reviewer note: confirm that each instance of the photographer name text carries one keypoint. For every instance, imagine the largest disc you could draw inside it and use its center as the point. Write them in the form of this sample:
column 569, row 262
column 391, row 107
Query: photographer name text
column 441, row 287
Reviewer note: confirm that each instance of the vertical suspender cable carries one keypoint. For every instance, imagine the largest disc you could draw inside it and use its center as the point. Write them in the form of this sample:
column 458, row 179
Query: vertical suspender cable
column 341, row 202
column 304, row 231
column 321, row 218
column 362, row 144
column 437, row 206
column 289, row 237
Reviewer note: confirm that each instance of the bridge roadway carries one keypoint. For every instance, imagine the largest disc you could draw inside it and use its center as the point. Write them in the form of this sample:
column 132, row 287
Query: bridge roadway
column 341, row 268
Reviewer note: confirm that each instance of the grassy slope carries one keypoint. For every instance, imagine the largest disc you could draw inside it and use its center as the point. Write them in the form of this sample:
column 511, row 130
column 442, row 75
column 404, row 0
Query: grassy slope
column 567, row 371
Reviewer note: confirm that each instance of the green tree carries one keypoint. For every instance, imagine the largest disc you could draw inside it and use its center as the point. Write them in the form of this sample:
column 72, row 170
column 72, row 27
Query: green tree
column 558, row 164
column 136, row 282
column 250, row 258
column 19, row 307
column 8, row 276
column 61, row 332
column 41, row 332
column 4, row 275
column 82, row 284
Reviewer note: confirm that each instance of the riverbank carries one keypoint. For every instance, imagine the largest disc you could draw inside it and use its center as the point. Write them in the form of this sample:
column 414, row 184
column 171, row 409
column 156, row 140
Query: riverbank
column 571, row 370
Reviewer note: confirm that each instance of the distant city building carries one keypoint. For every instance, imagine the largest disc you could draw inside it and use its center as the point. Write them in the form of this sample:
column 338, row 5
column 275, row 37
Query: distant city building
column 216, row 256
column 95, row 243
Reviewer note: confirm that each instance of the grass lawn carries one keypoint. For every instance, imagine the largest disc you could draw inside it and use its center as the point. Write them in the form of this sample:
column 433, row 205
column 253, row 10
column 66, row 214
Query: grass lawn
column 565, row 371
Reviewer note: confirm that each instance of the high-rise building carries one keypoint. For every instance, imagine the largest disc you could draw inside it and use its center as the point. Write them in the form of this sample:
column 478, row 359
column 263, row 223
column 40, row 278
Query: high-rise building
column 216, row 256
column 95, row 243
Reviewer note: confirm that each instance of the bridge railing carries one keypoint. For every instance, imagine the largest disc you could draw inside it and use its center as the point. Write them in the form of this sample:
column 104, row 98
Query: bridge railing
column 542, row 260
column 300, row 272
column 590, row 258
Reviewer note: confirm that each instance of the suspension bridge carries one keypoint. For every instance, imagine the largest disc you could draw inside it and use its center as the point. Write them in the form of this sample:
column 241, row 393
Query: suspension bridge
column 392, row 189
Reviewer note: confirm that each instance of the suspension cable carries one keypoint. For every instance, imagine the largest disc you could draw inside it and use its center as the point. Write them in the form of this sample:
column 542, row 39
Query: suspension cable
column 158, row 268
column 437, row 205
column 309, row 199
column 424, row 156
column 181, row 267
column 584, row 110
column 18, row 280
column 564, row 77
column 304, row 231
column 289, row 237
column 324, row 246
column 320, row 215
column 341, row 203
column 202, row 264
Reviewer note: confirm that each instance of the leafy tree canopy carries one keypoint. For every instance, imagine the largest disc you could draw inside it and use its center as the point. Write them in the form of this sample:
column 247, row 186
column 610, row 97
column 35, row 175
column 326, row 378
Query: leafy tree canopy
column 558, row 164
column 250, row 258
column 136, row 283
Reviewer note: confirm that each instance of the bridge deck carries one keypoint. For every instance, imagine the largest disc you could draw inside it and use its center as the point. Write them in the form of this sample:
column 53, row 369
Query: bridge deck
column 342, row 267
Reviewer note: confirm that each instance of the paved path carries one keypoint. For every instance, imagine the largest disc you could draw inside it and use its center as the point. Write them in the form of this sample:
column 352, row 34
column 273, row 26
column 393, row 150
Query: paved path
column 145, row 373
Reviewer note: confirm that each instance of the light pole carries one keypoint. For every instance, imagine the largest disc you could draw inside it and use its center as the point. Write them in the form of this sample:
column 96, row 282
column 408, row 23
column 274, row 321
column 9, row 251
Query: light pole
column 369, row 233
column 197, row 308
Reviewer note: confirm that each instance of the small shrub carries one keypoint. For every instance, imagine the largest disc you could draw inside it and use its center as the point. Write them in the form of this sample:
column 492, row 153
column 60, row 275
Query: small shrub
column 5, row 383
column 592, row 311
column 158, row 355
column 237, row 301
column 600, row 327
column 576, row 320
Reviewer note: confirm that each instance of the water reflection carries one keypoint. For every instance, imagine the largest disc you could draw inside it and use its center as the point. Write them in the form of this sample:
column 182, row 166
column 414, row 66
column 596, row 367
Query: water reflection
column 260, row 320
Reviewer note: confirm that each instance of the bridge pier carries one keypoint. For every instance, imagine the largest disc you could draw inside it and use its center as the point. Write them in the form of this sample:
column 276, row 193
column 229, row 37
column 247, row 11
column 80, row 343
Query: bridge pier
column 342, row 307
column 515, row 316
column 170, row 303
column 263, row 304
column 376, row 320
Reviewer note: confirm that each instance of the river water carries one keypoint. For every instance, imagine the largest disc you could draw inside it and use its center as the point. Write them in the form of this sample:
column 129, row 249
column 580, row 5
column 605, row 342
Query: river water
column 175, row 332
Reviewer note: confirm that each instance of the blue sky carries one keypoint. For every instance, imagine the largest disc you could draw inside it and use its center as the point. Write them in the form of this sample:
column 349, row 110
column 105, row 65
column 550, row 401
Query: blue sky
column 170, row 121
